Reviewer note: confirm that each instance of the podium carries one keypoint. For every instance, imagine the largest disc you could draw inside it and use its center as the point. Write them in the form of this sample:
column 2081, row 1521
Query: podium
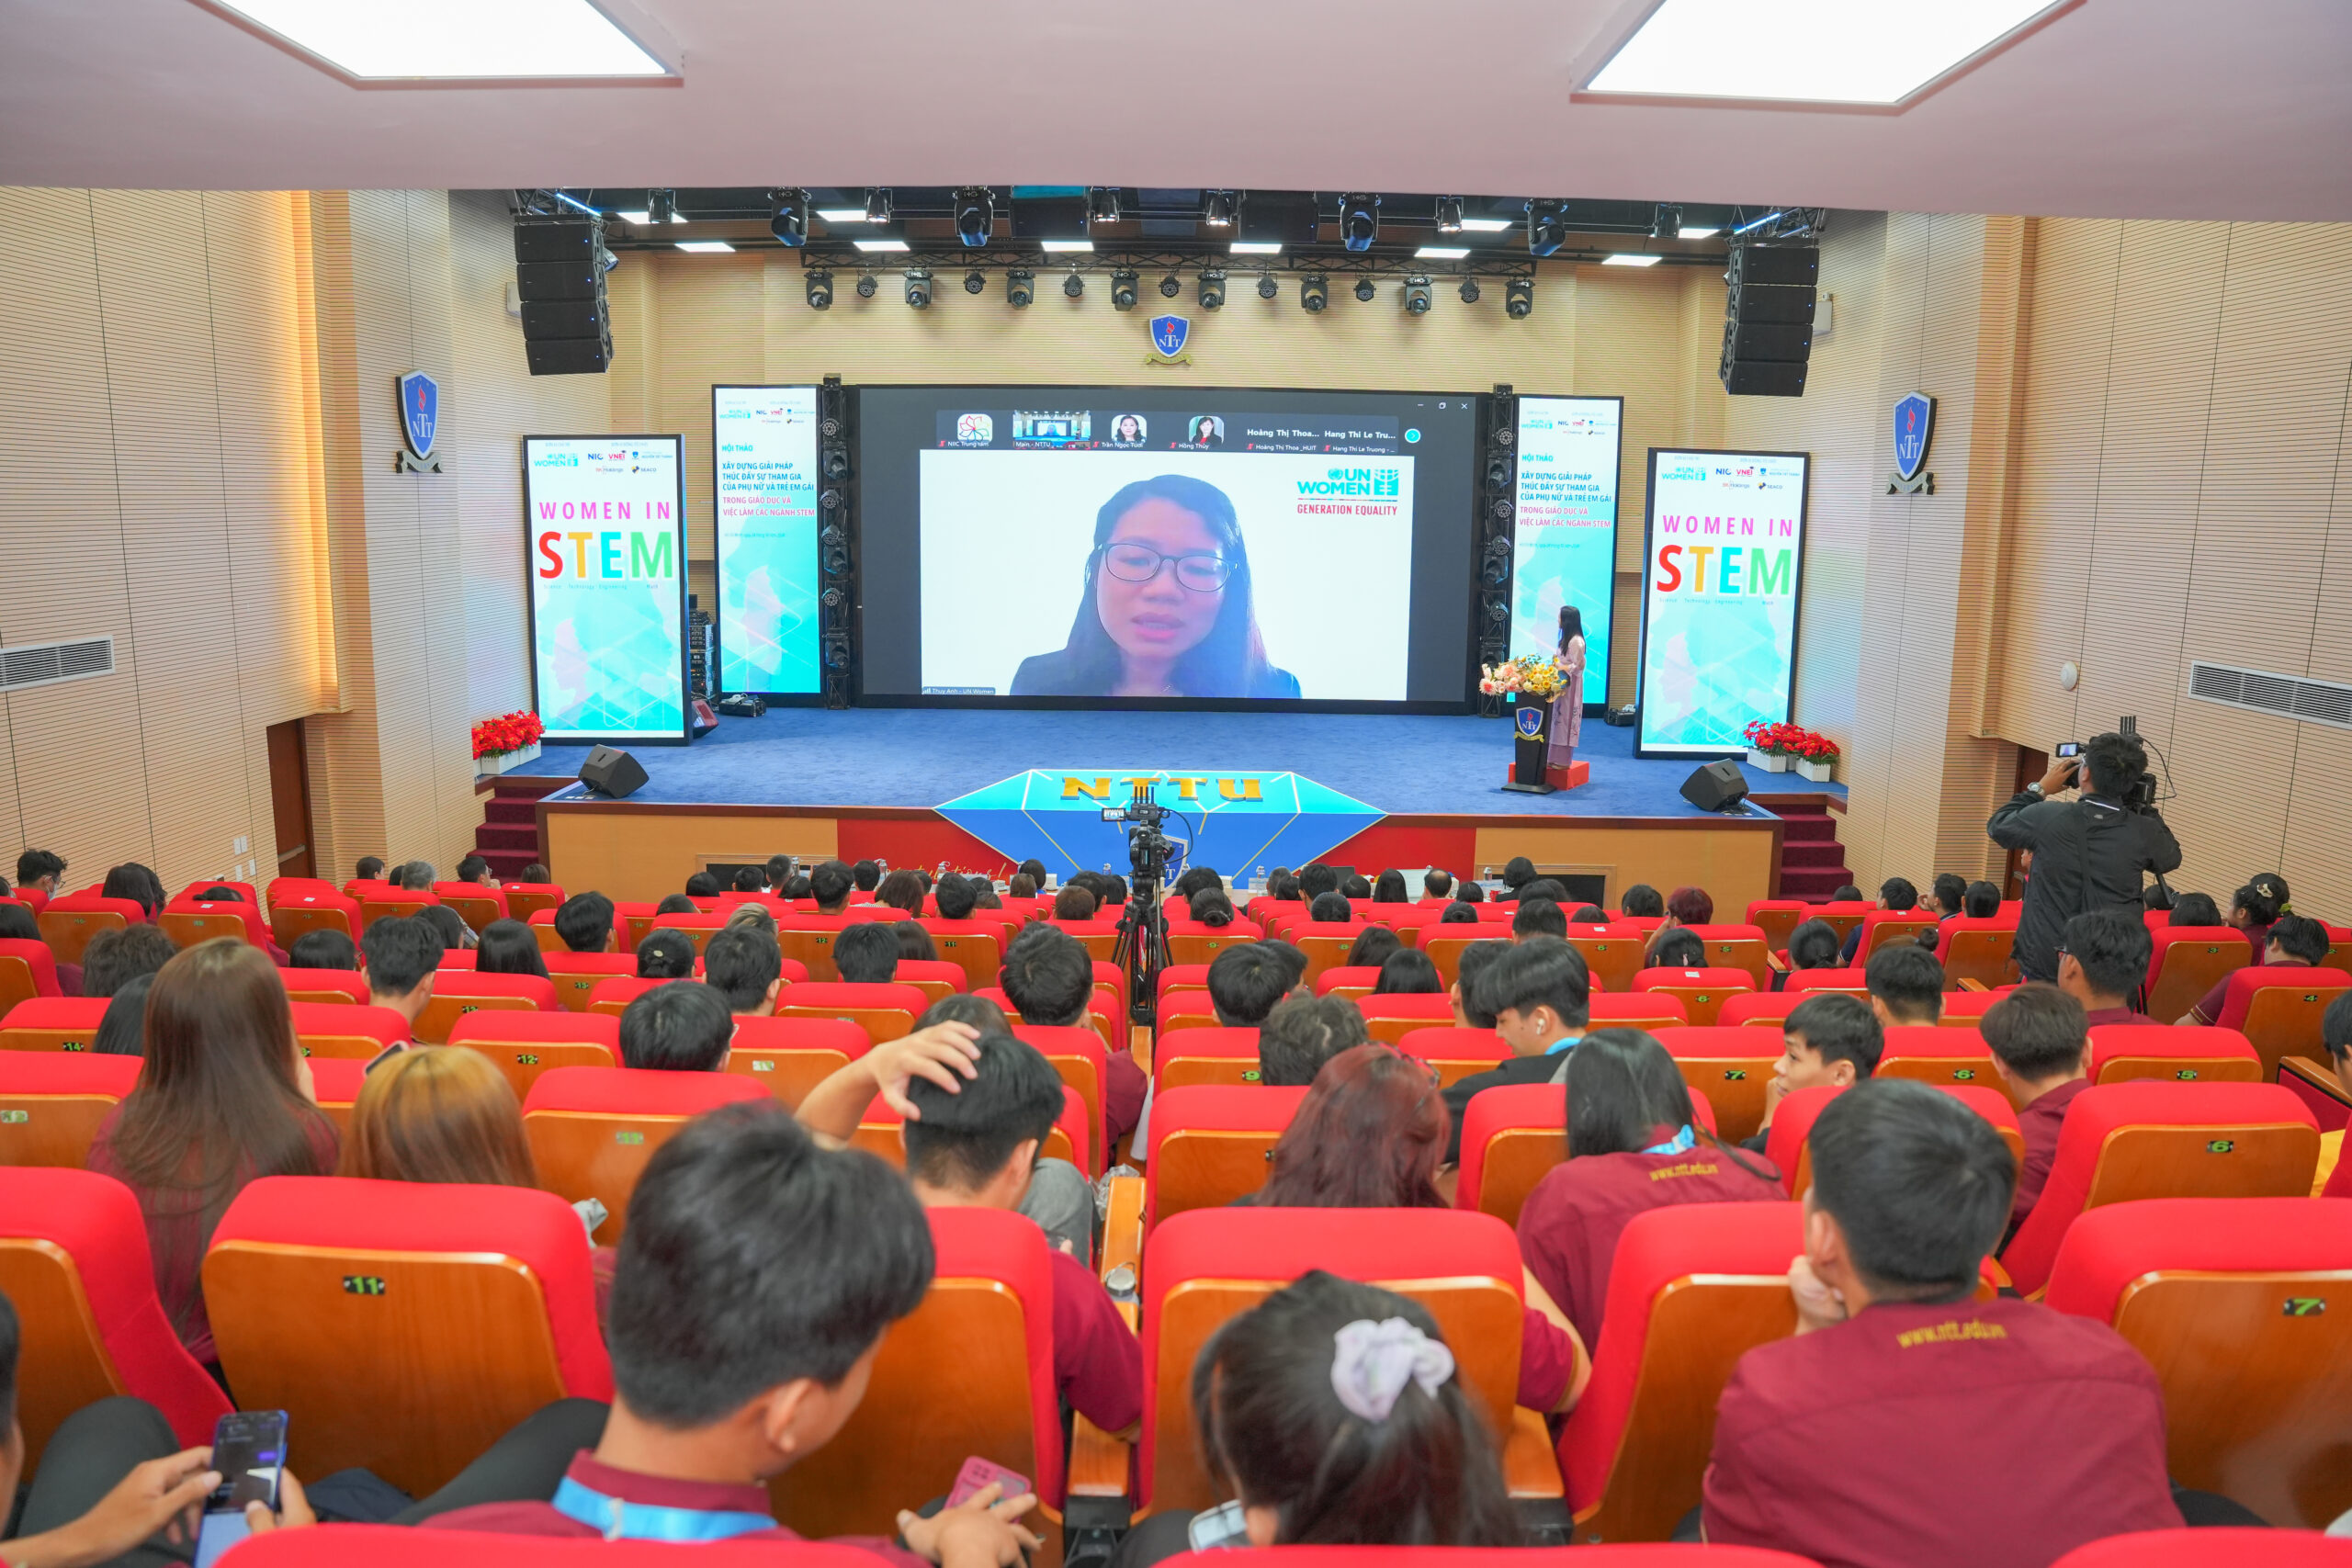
column 1529, row 773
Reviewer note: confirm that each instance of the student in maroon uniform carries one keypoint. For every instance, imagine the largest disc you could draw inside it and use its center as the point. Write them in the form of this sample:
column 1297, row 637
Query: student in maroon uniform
column 2102, row 963
column 1830, row 1039
column 1633, row 1146
column 1535, row 994
column 2042, row 1054
column 2289, row 940
column 1906, row 984
column 1907, row 1426
column 1368, row 1137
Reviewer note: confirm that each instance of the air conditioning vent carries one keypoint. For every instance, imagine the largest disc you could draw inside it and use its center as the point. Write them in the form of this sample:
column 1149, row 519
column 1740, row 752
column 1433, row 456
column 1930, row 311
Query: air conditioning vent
column 46, row 663
column 2289, row 697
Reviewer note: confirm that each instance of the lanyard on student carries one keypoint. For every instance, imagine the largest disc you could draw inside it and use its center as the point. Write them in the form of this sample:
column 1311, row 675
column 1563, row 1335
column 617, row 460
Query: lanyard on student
column 618, row 1520
column 1682, row 1142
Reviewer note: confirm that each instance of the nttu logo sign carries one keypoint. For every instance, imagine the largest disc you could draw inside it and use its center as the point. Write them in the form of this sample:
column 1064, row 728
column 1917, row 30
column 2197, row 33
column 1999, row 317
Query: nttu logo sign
column 1915, row 426
column 420, row 397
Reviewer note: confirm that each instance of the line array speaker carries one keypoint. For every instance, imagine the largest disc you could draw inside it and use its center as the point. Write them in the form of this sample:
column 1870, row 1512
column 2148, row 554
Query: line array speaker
column 1767, row 320
column 837, row 577
column 560, row 264
column 1497, row 508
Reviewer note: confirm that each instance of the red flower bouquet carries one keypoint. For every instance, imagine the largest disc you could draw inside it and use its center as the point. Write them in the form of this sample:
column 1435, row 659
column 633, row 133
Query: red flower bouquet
column 509, row 732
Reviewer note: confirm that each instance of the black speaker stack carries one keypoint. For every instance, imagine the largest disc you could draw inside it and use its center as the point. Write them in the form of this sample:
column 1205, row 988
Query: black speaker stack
column 1498, row 506
column 559, row 266
column 836, row 542
column 1767, row 319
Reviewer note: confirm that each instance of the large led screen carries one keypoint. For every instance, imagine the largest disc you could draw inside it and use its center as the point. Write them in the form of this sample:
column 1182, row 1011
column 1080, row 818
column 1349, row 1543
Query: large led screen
column 764, row 480
column 607, row 541
column 1565, row 550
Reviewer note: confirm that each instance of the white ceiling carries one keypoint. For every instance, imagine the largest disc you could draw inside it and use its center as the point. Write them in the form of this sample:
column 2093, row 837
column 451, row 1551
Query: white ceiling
column 2149, row 109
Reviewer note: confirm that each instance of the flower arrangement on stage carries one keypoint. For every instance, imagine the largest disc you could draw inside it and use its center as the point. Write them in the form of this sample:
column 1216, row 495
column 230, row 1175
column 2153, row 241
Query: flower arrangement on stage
column 508, row 732
column 1790, row 740
column 1534, row 676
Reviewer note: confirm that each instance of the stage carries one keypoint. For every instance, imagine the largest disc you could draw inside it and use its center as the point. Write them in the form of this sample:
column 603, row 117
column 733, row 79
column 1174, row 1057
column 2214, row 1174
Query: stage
column 863, row 782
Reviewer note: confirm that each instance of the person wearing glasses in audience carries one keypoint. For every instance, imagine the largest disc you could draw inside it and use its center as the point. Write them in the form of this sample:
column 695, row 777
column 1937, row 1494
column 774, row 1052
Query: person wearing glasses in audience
column 1168, row 610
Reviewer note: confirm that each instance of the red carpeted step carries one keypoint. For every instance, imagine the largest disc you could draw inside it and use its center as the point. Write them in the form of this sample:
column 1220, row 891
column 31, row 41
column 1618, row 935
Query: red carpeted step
column 1816, row 885
column 507, row 864
column 1808, row 829
column 1827, row 856
column 492, row 835
column 527, row 788
column 511, row 811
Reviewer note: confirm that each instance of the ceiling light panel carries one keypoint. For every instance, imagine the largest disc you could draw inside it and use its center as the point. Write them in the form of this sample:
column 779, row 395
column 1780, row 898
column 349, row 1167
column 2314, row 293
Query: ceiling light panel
column 455, row 39
column 1843, row 51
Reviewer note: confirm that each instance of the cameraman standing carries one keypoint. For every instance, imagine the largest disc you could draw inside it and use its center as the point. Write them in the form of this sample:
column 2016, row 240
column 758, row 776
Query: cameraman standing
column 2088, row 853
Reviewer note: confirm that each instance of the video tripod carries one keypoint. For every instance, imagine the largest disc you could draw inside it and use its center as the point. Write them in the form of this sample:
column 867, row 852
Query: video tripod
column 1142, row 949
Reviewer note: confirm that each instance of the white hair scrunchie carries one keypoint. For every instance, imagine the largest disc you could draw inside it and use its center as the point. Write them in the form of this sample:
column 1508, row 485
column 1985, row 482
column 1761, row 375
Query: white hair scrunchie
column 1373, row 1362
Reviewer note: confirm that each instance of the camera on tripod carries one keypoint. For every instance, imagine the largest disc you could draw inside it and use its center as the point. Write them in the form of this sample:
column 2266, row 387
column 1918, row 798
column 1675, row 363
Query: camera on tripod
column 2139, row 795
column 1148, row 847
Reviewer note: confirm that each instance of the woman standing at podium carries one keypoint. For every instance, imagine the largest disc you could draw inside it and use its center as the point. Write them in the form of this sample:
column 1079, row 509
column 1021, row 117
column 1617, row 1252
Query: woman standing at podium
column 1567, row 708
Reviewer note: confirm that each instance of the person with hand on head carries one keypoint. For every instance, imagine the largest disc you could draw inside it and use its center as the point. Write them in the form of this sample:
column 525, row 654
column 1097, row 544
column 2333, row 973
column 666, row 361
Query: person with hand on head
column 1536, row 991
column 1830, row 1040
column 756, row 1278
column 2092, row 852
column 1896, row 1373
column 2289, row 941
column 746, row 968
column 402, row 952
column 2042, row 1054
column 2102, row 964
column 1906, row 985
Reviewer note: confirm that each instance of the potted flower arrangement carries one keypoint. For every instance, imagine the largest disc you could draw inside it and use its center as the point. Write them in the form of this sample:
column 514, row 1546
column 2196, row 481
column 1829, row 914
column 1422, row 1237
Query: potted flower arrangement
column 1533, row 676
column 508, row 741
column 1776, row 748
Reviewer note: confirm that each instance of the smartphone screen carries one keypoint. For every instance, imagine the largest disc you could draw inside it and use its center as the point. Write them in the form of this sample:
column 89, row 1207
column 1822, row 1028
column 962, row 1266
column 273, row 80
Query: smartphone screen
column 1218, row 1528
column 2070, row 749
column 248, row 1449
column 216, row 1535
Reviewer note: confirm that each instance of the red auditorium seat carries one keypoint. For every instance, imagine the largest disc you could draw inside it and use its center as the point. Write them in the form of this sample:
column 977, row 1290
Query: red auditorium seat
column 2278, row 1008
column 1511, row 1136
column 1880, row 927
column 1635, row 1010
column 592, row 1129
column 1211, row 1144
column 2188, row 961
column 304, row 910
column 1758, row 1009
column 576, row 975
column 476, row 905
column 1353, row 981
column 884, row 1011
column 1391, row 1018
column 2243, row 1306
column 340, row 1301
column 335, row 1083
column 281, row 888
column 1444, row 948
column 1188, row 944
column 68, row 923
column 1101, row 1009
column 1326, row 943
column 789, row 1056
column 1183, row 978
column 1966, row 1010
column 1738, row 947
column 189, row 921
column 611, row 997
column 73, row 1260
column 642, row 922
column 1701, row 992
column 1204, row 1267
column 2122, row 1052
column 52, row 1103
column 1729, row 1065
column 975, row 946
column 1776, row 917
column 1456, row 1053
column 1098, row 937
column 374, row 907
column 970, row 1371
column 1612, row 953
column 343, row 1030
column 1792, row 1124
column 1850, row 981
column 331, row 987
column 1930, row 1054
column 2243, row 1546
column 1977, row 950
column 2131, row 1141
column 1078, row 1056
column 525, row 1045
column 456, row 993
column 937, row 979
column 1692, row 1289
column 524, row 900
column 1195, row 1056
column 459, row 958
column 52, row 1023
column 1843, row 916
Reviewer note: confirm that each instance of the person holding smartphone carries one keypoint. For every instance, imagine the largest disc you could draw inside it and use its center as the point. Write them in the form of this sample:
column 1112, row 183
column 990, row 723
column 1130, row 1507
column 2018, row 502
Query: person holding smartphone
column 2091, row 852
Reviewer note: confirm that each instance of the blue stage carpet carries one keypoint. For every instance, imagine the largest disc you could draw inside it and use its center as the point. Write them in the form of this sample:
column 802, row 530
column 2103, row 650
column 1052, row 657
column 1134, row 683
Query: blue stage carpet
column 1400, row 764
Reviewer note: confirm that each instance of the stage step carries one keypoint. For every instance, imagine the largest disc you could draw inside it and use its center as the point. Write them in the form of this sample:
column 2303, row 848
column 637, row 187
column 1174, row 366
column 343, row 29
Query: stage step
column 502, row 836
column 1813, row 862
column 509, row 835
column 1810, row 827
column 1826, row 855
column 511, row 811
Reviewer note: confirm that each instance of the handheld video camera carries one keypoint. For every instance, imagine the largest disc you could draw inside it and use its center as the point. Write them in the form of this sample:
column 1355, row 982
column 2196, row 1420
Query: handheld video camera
column 2140, row 796
column 1148, row 847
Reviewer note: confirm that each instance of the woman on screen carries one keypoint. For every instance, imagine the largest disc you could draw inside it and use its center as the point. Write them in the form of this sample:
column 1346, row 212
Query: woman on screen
column 1567, row 708
column 1127, row 431
column 1168, row 611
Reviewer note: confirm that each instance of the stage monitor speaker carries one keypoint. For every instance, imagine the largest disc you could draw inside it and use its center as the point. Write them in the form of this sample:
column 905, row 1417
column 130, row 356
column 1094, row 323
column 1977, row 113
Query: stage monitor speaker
column 1718, row 786
column 613, row 773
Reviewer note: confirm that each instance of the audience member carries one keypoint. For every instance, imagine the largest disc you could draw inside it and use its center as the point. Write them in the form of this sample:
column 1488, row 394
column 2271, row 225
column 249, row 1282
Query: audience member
column 1458, row 913
column 746, row 969
column 2041, row 1051
column 1294, row 959
column 1906, row 985
column 402, row 952
column 1537, row 917
column 1246, row 982
column 1633, row 1146
column 1034, row 870
column 1437, row 884
column 1846, row 893
column 1371, row 947
column 1195, row 877
column 1535, row 991
column 122, row 1031
column 536, row 874
column 1981, row 901
column 2102, row 964
column 1111, row 888
column 1315, row 879
column 750, row 879
column 417, row 877
column 683, row 1027
column 1690, row 907
column 1329, row 908
column 868, row 874
column 2195, row 909
column 1676, row 948
column 1388, row 887
column 133, row 880
column 508, row 947
column 114, row 958
column 42, row 872
column 1950, row 895
column 1894, row 893
column 1303, row 1032
column 1074, row 903
column 1050, row 980
column 755, row 1280
column 1895, row 1374
column 677, row 904
column 1544, row 887
column 1211, row 907
column 1469, row 965
column 1588, row 915
column 757, row 918
column 1020, row 885
column 780, row 872
column 445, row 1116
column 1369, row 1136
column 914, row 943
column 1642, row 902
column 324, row 949
column 1408, row 972
column 830, row 885
column 448, row 925
column 1813, row 945
column 2290, row 939
column 1355, row 889
column 1468, row 892
column 1517, row 872
column 475, row 869
column 223, row 1098
column 584, row 921
column 901, row 889
column 2336, row 1036
column 2255, row 908
column 666, row 954
column 866, row 952
column 1828, row 1039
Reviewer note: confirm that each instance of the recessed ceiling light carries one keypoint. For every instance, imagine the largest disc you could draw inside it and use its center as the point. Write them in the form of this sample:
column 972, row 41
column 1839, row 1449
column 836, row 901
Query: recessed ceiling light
column 1256, row 248
column 1064, row 246
column 1687, row 232
column 634, row 216
column 1488, row 225
column 1442, row 252
column 842, row 214
column 443, row 40
column 1848, row 52
column 879, row 244
column 1631, row 258
column 705, row 247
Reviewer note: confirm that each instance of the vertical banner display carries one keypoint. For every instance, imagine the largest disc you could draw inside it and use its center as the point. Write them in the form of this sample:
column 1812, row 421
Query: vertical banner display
column 763, row 473
column 1723, row 562
column 1565, row 549
column 607, row 540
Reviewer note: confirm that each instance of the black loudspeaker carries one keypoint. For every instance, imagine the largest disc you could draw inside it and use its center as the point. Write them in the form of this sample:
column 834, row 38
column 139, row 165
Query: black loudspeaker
column 559, row 267
column 1718, row 786
column 614, row 772
column 1767, row 320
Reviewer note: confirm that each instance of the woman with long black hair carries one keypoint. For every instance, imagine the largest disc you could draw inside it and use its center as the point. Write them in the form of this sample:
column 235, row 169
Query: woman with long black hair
column 1168, row 610
column 1567, row 708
